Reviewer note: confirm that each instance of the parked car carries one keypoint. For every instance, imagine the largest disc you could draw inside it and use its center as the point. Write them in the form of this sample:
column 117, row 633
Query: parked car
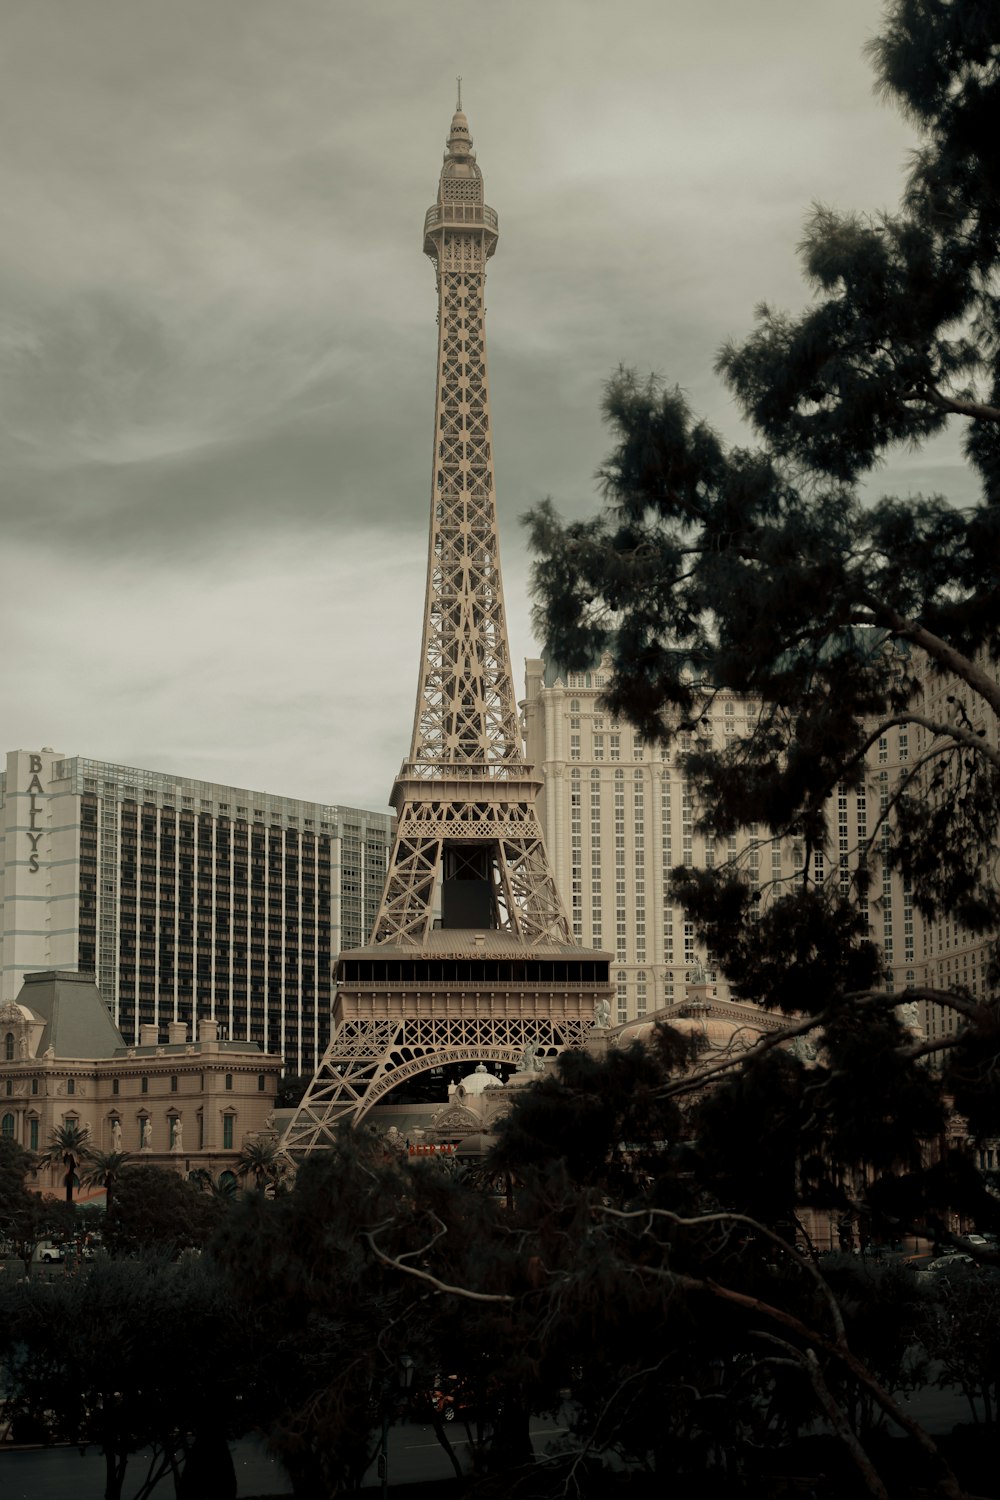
column 945, row 1264
column 47, row 1252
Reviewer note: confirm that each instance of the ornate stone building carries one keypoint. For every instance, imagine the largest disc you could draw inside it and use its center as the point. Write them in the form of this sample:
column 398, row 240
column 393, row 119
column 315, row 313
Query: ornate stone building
column 172, row 1102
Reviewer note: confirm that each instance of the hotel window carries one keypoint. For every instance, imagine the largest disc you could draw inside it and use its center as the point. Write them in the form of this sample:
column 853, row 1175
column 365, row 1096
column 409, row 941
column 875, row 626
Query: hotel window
column 173, row 1083
column 144, row 1085
column 32, row 1135
column 8, row 1047
column 34, row 1085
column 229, row 1080
column 227, row 1132
column 71, row 1085
column 261, row 1083
column 7, row 1127
column 115, row 1086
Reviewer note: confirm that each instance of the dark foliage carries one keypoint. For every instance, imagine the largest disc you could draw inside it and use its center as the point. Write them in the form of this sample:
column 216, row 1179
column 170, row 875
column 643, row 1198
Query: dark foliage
column 155, row 1210
column 765, row 571
column 128, row 1355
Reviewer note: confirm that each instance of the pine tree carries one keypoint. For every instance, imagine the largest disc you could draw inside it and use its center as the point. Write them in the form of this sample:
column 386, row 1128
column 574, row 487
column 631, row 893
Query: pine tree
column 769, row 571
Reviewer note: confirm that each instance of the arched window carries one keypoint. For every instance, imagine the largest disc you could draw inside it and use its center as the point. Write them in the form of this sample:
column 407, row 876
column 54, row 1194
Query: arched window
column 8, row 1047
column 7, row 1127
column 227, row 1179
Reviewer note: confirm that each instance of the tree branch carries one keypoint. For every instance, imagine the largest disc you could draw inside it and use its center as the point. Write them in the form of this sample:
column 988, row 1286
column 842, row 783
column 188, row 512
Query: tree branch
column 806, row 1360
column 696, row 1220
column 439, row 1286
column 938, row 650
column 978, row 410
column 876, row 999
column 954, row 732
column 948, row 1486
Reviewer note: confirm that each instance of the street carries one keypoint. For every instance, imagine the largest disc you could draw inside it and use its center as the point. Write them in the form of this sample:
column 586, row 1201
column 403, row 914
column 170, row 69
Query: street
column 62, row 1474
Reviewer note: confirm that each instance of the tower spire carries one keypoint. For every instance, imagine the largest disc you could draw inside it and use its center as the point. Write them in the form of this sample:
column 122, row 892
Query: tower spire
column 477, row 859
column 458, row 106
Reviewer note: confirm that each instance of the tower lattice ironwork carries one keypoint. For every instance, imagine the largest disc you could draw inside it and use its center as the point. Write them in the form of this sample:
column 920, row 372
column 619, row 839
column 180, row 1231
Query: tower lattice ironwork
column 471, row 955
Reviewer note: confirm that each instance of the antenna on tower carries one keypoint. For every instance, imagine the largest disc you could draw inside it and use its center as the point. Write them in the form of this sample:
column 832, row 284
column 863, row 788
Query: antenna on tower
column 458, row 106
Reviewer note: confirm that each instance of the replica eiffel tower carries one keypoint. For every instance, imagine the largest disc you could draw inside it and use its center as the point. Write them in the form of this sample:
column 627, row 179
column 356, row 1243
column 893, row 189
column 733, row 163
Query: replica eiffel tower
column 470, row 958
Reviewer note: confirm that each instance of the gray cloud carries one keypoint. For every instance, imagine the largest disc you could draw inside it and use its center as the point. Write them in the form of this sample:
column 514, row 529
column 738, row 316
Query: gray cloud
column 217, row 329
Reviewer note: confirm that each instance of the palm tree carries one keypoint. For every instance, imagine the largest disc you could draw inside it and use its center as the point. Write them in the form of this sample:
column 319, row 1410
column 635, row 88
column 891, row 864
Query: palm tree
column 261, row 1160
column 222, row 1187
column 104, row 1169
column 67, row 1143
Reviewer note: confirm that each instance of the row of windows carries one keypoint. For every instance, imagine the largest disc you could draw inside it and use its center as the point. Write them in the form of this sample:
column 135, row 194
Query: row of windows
column 143, row 1084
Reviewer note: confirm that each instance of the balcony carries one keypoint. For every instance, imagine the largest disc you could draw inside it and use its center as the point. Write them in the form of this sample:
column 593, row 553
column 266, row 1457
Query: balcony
column 459, row 216
column 441, row 214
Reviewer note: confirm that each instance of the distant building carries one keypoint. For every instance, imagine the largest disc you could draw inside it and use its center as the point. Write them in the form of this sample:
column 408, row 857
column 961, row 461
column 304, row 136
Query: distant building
column 949, row 955
column 191, row 901
column 618, row 815
column 169, row 1102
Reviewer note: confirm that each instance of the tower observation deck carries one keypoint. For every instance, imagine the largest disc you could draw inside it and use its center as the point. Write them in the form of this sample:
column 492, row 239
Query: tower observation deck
column 470, row 957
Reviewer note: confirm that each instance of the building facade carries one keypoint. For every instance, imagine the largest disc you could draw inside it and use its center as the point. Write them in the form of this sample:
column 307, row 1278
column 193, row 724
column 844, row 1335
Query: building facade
column 949, row 954
column 190, row 901
column 619, row 815
column 168, row 1100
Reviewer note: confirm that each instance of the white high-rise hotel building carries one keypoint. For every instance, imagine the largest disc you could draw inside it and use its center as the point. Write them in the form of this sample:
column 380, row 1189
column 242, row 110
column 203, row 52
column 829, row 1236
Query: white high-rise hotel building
column 190, row 900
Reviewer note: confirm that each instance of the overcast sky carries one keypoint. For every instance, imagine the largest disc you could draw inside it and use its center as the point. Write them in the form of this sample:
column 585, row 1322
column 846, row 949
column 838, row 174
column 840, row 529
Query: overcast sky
column 217, row 329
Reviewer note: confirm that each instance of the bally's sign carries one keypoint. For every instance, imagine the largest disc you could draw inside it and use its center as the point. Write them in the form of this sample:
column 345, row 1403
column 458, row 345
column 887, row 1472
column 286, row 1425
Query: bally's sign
column 35, row 790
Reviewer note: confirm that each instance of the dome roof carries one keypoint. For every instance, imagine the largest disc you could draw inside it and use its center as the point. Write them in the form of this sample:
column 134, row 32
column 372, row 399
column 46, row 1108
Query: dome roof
column 638, row 1031
column 715, row 1033
column 459, row 158
column 13, row 1011
column 481, row 1080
